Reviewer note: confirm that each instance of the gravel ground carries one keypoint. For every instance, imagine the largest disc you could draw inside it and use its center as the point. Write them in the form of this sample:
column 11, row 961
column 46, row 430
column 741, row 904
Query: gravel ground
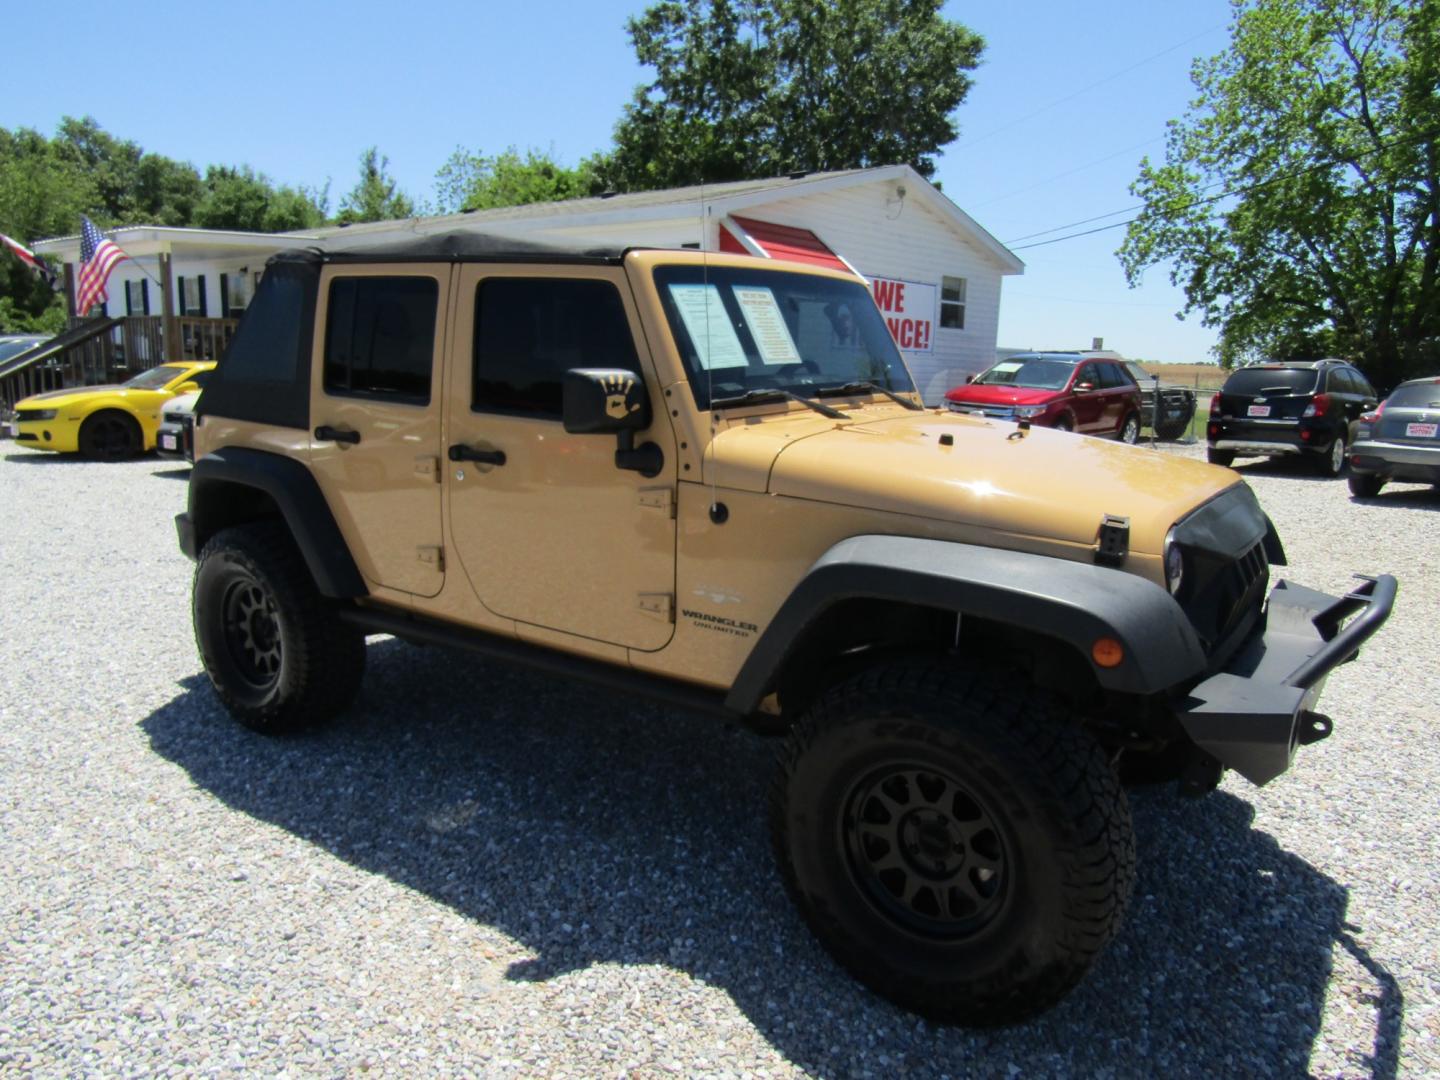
column 482, row 871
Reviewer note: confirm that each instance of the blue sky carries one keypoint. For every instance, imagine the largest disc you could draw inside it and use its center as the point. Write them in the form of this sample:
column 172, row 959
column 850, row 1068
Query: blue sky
column 1068, row 99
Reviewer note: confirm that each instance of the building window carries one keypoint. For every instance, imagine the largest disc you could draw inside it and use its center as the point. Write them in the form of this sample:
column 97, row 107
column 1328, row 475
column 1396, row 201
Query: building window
column 380, row 338
column 530, row 331
column 192, row 295
column 137, row 297
column 952, row 303
column 234, row 294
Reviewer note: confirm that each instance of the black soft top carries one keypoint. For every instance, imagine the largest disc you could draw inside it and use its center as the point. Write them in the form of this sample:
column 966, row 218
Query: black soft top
column 458, row 246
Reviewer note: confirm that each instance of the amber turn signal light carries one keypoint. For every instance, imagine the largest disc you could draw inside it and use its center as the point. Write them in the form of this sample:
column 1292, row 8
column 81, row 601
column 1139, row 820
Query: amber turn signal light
column 1107, row 652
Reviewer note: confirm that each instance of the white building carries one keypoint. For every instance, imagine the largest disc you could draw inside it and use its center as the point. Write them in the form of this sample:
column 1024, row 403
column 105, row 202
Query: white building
column 934, row 272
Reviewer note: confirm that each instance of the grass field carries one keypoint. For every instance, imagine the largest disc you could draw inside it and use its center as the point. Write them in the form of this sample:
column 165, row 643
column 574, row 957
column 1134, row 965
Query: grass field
column 1199, row 376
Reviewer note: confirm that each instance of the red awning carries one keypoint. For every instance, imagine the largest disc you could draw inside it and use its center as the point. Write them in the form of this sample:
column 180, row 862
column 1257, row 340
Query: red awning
column 789, row 242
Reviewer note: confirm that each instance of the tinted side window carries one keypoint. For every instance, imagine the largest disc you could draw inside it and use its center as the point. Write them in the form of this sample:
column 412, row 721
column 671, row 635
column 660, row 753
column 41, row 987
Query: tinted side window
column 530, row 331
column 1362, row 385
column 1112, row 376
column 380, row 338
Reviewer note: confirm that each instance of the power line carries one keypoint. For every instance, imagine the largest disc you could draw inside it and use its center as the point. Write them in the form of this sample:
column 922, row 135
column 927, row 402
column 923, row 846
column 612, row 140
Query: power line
column 965, row 144
column 1314, row 167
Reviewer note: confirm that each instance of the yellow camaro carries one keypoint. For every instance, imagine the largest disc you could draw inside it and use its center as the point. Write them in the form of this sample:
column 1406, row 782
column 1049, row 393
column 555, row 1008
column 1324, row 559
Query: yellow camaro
column 105, row 422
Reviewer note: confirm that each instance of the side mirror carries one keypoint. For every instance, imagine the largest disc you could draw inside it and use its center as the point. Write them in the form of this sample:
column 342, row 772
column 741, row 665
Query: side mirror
column 187, row 388
column 1084, row 387
column 602, row 401
column 969, row 379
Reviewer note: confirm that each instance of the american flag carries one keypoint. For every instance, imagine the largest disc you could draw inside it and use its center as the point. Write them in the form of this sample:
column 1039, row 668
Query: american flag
column 98, row 257
column 27, row 256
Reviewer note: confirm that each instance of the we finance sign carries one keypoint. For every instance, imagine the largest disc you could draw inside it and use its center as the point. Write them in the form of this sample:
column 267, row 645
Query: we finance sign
column 909, row 310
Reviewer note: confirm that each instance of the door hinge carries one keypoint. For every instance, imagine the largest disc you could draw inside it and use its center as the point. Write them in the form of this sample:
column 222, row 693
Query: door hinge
column 660, row 605
column 428, row 467
column 432, row 556
column 658, row 498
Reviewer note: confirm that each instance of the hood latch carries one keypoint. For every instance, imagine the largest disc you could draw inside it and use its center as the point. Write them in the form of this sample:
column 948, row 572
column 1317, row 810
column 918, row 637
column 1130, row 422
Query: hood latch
column 1114, row 540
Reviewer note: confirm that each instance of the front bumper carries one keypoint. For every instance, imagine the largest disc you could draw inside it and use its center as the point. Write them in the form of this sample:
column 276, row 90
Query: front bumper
column 1251, row 716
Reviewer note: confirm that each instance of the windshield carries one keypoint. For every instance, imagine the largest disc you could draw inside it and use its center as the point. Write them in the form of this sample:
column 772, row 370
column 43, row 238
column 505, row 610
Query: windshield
column 1036, row 372
column 155, row 378
column 1416, row 395
column 747, row 329
column 15, row 348
column 1271, row 381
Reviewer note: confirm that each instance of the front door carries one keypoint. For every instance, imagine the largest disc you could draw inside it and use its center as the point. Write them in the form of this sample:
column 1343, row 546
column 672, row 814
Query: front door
column 548, row 530
column 375, row 417
column 1087, row 404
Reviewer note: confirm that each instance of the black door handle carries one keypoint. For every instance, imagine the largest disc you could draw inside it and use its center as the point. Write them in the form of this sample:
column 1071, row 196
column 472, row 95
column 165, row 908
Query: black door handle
column 326, row 433
column 461, row 452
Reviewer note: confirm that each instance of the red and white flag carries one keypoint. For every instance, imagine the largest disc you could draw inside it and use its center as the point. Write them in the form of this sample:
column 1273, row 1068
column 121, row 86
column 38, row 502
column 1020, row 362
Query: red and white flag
column 98, row 257
column 29, row 258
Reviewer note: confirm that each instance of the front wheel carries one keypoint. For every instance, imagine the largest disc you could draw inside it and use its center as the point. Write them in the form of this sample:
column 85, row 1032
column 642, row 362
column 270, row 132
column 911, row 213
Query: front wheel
column 963, row 848
column 109, row 436
column 278, row 656
column 1064, row 424
column 1130, row 429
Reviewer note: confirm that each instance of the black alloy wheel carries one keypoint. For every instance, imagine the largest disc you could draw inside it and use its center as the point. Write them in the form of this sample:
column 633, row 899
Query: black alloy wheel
column 927, row 850
column 252, row 633
column 109, row 436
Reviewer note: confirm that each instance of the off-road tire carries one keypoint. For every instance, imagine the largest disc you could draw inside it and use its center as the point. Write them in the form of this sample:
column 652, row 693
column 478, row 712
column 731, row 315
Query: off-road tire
column 110, row 435
column 1366, row 485
column 1219, row 457
column 277, row 654
column 960, row 845
column 1332, row 461
column 1129, row 429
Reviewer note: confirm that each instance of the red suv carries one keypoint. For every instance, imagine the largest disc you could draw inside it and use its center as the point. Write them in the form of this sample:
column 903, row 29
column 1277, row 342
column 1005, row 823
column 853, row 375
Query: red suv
column 1066, row 391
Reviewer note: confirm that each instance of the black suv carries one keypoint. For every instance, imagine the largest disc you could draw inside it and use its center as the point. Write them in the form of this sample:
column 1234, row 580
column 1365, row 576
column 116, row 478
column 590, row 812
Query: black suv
column 1301, row 407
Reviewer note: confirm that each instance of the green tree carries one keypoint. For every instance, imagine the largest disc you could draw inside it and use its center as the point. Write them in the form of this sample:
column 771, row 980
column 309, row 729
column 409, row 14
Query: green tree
column 1299, row 204
column 751, row 88
column 42, row 193
column 475, row 182
column 374, row 198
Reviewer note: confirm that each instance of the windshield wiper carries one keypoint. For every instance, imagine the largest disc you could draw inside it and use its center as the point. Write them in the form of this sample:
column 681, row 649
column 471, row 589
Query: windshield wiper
column 863, row 387
column 760, row 397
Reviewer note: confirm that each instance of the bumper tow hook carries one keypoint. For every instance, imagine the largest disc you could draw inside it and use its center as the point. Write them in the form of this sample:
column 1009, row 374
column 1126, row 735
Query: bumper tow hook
column 1313, row 727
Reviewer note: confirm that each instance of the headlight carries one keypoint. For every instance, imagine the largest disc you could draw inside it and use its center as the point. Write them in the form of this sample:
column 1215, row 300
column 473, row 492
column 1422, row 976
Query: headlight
column 1174, row 563
column 1028, row 411
column 42, row 414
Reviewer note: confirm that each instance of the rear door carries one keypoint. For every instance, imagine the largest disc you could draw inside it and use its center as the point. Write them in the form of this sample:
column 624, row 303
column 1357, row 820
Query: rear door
column 375, row 435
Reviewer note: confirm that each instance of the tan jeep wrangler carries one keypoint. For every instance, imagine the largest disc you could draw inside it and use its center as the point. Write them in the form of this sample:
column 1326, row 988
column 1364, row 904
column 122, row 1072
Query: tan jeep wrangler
column 709, row 478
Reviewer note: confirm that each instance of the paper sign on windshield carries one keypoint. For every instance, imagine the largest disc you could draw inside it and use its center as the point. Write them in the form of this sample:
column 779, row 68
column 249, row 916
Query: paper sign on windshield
column 767, row 325
column 708, row 324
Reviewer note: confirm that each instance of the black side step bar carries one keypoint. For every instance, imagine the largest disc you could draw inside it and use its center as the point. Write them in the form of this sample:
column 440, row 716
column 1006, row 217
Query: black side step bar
column 667, row 691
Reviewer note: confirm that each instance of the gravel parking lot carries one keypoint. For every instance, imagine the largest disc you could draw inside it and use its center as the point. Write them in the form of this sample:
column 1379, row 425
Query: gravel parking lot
column 484, row 871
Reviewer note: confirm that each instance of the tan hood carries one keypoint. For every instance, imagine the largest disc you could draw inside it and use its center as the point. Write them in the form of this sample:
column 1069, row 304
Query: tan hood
column 1043, row 483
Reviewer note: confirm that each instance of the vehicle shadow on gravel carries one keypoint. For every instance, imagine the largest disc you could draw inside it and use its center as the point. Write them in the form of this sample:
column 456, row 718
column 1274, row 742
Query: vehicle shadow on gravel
column 594, row 829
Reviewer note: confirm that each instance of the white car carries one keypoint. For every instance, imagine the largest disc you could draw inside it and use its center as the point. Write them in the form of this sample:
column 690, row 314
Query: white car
column 175, row 437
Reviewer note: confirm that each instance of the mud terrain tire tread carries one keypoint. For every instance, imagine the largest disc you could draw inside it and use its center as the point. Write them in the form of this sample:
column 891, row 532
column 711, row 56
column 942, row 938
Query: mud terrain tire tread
column 1029, row 742
column 322, row 659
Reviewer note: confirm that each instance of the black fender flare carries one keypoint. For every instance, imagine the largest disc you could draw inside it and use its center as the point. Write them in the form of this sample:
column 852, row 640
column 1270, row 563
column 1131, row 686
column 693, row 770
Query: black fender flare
column 1074, row 602
column 292, row 487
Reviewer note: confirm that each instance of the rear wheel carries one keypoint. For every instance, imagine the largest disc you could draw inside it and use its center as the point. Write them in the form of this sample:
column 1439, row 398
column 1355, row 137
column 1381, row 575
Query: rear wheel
column 1219, row 457
column 109, row 436
column 962, row 847
column 1332, row 462
column 275, row 650
column 1366, row 485
column 1170, row 430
